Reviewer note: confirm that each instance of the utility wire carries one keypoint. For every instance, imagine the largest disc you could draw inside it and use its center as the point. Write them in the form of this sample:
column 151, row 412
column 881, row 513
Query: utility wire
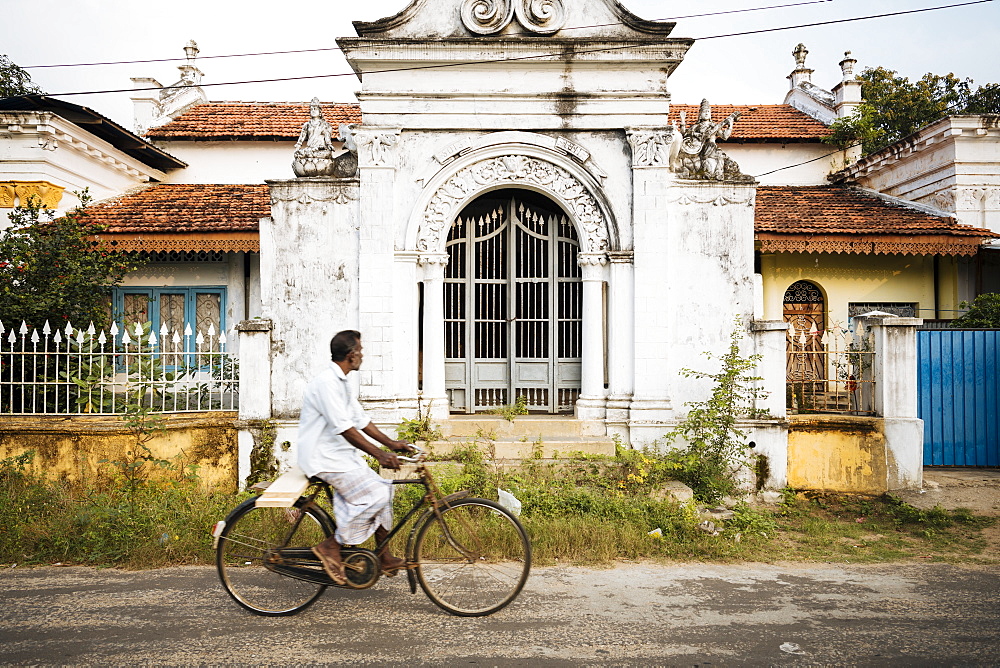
column 522, row 58
column 337, row 48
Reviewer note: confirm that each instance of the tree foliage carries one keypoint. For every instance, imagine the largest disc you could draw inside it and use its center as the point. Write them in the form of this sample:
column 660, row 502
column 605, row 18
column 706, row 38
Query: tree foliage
column 894, row 107
column 984, row 311
column 15, row 80
column 53, row 269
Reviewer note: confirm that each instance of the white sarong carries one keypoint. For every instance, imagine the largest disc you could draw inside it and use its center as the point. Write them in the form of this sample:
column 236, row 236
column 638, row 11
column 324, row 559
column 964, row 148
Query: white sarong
column 362, row 502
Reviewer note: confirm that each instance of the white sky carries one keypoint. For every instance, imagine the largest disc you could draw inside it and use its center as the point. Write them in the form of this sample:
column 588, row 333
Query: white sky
column 749, row 69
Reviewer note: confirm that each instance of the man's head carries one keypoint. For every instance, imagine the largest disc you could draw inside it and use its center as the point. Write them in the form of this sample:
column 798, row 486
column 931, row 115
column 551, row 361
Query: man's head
column 345, row 349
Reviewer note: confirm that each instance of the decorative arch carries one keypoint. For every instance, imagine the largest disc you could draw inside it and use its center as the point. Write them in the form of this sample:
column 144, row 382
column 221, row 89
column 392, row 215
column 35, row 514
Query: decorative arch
column 513, row 166
column 804, row 308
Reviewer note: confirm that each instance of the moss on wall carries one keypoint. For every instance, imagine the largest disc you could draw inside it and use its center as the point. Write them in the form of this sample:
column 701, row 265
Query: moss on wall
column 73, row 447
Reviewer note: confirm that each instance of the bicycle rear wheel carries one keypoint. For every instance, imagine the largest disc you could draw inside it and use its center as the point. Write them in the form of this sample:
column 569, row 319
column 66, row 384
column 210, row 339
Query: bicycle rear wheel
column 474, row 559
column 263, row 557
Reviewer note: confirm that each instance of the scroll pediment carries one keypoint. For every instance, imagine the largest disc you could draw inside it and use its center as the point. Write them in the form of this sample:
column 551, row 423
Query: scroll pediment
column 436, row 19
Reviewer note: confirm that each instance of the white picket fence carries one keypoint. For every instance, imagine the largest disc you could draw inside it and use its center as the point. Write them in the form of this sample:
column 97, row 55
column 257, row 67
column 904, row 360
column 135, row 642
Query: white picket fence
column 72, row 371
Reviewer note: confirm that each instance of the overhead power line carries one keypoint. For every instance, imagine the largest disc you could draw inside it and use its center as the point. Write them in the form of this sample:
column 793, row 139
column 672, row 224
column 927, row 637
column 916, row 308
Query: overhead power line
column 532, row 57
column 337, row 48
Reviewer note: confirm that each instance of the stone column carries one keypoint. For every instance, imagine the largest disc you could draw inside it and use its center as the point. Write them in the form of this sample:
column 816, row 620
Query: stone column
column 621, row 342
column 651, row 407
column 895, row 396
column 377, row 158
column 591, row 404
column 405, row 343
column 255, row 386
column 433, row 395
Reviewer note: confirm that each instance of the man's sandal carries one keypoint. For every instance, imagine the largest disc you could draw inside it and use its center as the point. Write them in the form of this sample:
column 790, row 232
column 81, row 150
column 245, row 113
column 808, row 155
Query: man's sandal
column 334, row 571
column 392, row 567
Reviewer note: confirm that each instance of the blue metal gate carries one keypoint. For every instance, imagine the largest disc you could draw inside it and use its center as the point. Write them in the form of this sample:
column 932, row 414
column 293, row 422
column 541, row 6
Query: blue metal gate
column 959, row 394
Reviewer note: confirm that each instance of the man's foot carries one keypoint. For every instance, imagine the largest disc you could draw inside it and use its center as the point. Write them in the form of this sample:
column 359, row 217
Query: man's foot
column 332, row 564
column 390, row 564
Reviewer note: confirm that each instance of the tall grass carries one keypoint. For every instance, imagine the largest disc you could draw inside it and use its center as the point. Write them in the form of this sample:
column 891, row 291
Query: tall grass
column 103, row 519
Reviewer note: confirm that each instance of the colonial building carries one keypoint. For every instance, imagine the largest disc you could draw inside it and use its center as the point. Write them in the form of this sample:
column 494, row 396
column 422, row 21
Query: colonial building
column 514, row 209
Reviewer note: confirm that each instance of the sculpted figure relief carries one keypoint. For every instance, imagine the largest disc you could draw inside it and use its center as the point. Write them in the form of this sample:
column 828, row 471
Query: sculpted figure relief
column 699, row 157
column 314, row 151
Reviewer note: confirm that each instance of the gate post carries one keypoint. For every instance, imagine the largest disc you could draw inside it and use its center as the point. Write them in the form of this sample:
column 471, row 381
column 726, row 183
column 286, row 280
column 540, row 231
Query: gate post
column 895, row 375
column 255, row 386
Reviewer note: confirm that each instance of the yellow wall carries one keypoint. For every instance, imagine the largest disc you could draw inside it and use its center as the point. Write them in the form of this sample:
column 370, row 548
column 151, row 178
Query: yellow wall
column 837, row 453
column 72, row 447
column 847, row 278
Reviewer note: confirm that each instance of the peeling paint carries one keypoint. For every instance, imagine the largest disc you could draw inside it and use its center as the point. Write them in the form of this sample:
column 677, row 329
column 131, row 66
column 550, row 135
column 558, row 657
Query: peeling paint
column 838, row 453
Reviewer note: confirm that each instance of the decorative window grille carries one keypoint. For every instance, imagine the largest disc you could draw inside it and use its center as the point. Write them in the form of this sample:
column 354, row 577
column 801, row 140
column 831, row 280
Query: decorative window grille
column 901, row 309
column 71, row 371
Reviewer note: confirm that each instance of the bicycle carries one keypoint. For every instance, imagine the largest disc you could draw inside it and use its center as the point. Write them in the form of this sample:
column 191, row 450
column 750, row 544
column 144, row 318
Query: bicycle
column 470, row 556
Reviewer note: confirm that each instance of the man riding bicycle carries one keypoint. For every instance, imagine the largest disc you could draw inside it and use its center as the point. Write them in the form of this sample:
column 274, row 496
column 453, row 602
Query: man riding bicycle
column 332, row 437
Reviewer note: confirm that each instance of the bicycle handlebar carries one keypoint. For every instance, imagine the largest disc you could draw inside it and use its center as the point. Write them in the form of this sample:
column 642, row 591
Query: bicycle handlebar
column 420, row 455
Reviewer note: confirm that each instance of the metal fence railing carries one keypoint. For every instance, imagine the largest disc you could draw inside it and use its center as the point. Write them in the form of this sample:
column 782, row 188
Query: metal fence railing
column 72, row 371
column 830, row 371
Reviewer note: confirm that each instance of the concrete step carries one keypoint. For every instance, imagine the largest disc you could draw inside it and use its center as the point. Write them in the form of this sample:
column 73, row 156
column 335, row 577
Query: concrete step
column 546, row 448
column 524, row 426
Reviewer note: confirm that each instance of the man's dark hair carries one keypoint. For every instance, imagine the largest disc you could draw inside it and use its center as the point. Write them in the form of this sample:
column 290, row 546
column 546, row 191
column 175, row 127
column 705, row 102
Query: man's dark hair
column 343, row 344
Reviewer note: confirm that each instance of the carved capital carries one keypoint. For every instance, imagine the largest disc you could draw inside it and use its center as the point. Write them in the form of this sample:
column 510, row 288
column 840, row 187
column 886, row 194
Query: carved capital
column 377, row 148
column 513, row 170
column 592, row 259
column 427, row 259
column 652, row 147
column 24, row 192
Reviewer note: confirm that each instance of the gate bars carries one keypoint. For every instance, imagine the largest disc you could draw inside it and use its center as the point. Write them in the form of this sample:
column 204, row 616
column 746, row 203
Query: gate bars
column 74, row 371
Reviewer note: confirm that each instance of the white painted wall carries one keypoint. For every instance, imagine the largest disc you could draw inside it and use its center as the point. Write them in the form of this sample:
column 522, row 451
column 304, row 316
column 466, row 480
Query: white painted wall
column 798, row 163
column 42, row 146
column 230, row 161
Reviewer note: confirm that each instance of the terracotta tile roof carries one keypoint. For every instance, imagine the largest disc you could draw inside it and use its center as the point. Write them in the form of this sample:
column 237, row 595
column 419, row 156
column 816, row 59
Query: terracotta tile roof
column 768, row 122
column 838, row 219
column 183, row 207
column 283, row 121
column 787, row 219
column 250, row 120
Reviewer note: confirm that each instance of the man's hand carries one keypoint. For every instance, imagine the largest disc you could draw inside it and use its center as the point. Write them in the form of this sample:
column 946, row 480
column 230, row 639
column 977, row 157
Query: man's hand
column 387, row 460
column 401, row 446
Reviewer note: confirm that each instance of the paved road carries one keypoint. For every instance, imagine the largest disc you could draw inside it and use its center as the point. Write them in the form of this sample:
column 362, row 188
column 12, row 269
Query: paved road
column 930, row 614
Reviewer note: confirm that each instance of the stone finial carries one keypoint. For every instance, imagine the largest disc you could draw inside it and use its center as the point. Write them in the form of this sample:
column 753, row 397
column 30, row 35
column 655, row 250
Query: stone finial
column 799, row 53
column 847, row 66
column 314, row 150
column 801, row 75
column 190, row 74
column 698, row 156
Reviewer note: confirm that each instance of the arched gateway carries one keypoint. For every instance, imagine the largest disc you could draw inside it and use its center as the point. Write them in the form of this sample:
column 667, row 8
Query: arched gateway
column 511, row 241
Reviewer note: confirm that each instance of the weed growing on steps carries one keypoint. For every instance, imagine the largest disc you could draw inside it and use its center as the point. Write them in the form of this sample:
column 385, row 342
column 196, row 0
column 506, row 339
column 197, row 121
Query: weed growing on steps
column 419, row 429
column 509, row 411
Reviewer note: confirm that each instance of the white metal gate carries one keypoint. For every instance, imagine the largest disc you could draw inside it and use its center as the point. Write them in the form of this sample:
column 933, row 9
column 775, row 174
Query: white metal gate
column 513, row 305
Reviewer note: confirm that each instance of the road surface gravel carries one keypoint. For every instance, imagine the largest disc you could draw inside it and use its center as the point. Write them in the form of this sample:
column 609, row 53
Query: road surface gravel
column 633, row 614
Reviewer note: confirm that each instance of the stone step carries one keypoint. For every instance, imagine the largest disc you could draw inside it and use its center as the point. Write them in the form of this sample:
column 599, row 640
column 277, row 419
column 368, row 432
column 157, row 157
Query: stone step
column 547, row 448
column 523, row 426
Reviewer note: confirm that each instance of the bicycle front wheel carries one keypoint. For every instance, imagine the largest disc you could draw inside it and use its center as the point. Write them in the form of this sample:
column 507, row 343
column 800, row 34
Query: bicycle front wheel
column 263, row 557
column 472, row 560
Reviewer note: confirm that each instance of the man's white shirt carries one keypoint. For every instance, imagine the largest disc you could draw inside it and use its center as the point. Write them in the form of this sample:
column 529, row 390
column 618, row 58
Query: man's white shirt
column 329, row 408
